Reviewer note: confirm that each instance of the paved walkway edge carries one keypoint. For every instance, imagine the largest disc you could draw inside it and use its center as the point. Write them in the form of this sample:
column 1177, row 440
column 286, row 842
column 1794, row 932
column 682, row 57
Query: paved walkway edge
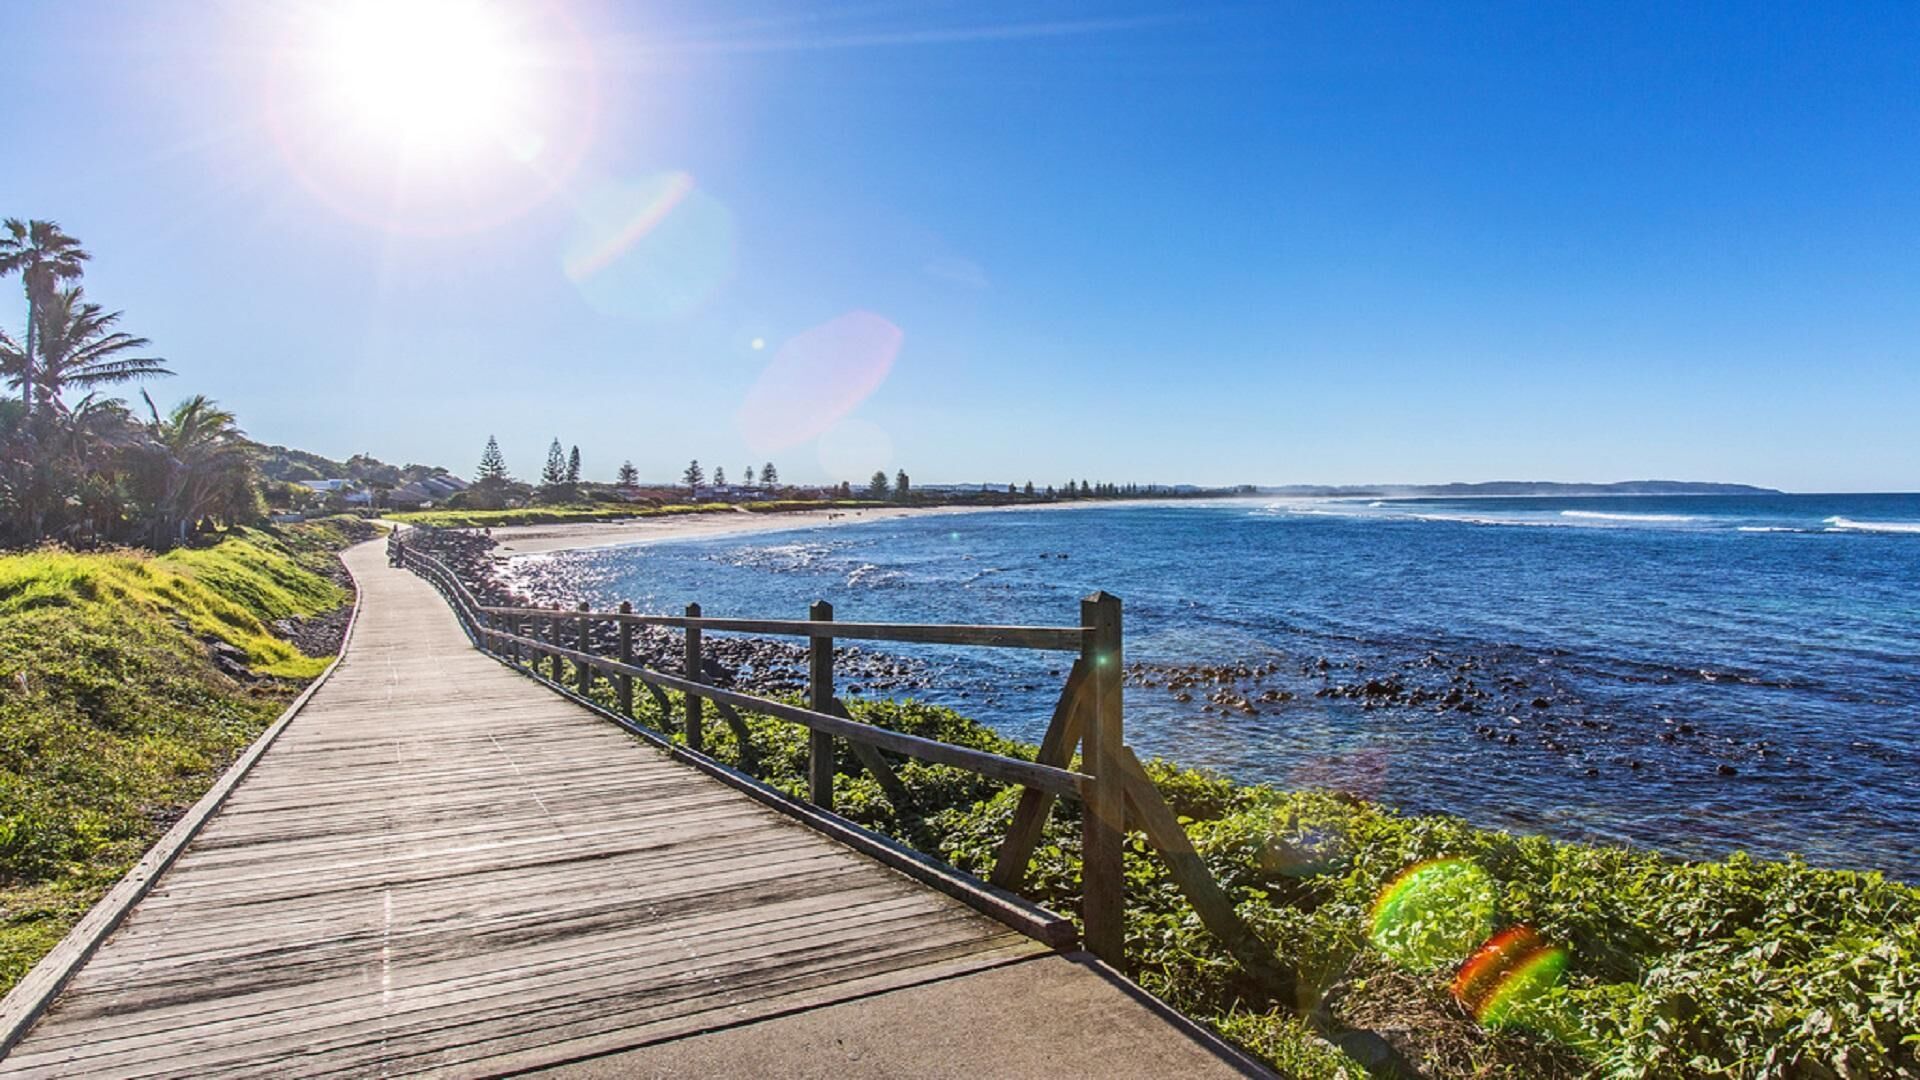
column 31, row 996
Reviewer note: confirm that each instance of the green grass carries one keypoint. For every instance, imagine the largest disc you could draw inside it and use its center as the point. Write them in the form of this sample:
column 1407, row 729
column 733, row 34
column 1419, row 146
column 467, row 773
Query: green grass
column 113, row 720
column 1735, row 968
column 584, row 512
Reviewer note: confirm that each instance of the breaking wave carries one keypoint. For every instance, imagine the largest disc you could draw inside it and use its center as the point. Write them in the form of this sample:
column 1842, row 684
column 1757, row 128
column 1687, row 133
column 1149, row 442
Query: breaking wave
column 1842, row 524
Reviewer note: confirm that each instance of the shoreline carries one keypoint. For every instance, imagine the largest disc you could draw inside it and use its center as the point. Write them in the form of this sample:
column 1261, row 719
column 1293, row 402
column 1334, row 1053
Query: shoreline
column 513, row 541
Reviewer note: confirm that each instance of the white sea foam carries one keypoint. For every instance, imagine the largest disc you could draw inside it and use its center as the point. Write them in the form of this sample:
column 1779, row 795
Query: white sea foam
column 1842, row 524
column 1601, row 515
column 1468, row 519
column 1769, row 528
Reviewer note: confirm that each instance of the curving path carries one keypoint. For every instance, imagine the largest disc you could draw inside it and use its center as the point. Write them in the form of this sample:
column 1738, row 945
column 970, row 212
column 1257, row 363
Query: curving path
column 440, row 866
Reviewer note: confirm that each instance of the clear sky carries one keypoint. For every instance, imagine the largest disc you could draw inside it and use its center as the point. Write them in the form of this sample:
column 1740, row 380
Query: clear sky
column 1262, row 242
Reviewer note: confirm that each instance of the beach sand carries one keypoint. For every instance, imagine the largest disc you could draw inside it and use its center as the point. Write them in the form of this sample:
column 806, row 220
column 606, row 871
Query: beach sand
column 539, row 539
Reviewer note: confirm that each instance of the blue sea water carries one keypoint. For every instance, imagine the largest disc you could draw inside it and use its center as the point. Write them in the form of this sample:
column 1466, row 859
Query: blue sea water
column 1719, row 672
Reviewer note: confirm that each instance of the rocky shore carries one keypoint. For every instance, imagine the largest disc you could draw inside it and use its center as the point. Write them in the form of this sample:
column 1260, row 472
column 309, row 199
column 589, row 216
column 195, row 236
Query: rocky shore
column 758, row 665
column 1523, row 701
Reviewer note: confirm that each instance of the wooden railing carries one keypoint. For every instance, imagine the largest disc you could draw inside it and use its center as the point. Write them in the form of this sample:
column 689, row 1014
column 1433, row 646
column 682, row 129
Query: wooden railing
column 1111, row 784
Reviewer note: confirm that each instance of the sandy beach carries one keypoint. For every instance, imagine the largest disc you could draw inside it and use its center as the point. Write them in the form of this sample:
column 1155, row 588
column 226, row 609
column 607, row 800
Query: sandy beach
column 539, row 539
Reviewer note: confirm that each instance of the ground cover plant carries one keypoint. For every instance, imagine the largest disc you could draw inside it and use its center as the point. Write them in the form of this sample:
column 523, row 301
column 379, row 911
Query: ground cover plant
column 1471, row 952
column 114, row 717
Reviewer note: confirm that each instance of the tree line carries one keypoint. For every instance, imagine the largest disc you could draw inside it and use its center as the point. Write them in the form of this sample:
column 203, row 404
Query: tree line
column 561, row 481
column 82, row 467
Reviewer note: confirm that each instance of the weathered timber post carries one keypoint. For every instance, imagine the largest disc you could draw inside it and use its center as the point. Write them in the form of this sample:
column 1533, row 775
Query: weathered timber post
column 1102, row 878
column 820, row 699
column 585, row 671
column 695, row 736
column 623, row 683
column 555, row 668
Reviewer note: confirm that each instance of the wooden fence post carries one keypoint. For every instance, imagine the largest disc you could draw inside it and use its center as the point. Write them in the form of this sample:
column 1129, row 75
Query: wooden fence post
column 624, row 683
column 696, row 738
column 820, row 699
column 585, row 671
column 554, row 669
column 1102, row 876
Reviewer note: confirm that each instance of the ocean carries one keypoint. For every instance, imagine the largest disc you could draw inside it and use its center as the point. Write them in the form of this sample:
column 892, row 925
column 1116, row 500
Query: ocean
column 1697, row 674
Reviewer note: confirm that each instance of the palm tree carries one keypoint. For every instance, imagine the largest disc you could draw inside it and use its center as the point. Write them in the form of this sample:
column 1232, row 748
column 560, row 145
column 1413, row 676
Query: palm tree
column 79, row 348
column 199, row 465
column 43, row 256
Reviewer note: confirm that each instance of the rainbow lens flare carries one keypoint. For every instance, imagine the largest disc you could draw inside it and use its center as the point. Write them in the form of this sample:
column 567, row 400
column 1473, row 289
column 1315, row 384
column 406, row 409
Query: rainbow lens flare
column 1512, row 969
column 817, row 377
column 1434, row 913
column 654, row 250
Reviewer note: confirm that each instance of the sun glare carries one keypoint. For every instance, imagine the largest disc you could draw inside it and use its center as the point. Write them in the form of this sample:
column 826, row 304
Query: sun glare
column 432, row 116
column 434, row 77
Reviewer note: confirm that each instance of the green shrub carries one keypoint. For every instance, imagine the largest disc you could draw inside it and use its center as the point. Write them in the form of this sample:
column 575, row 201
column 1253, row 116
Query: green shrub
column 1736, row 968
column 113, row 720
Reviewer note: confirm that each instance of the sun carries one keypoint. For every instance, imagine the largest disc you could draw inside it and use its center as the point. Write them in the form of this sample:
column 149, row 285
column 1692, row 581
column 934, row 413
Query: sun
column 430, row 116
column 434, row 79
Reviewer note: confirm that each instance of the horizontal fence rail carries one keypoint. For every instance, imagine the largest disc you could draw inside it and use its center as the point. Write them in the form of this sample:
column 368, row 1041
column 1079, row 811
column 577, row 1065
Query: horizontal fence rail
column 1111, row 786
column 1055, row 638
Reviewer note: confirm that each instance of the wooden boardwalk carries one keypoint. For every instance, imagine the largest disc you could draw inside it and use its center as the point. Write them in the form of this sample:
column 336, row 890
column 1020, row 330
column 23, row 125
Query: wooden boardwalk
column 443, row 867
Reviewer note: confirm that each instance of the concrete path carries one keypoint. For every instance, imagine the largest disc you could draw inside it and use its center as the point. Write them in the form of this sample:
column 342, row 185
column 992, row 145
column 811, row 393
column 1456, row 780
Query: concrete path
column 442, row 867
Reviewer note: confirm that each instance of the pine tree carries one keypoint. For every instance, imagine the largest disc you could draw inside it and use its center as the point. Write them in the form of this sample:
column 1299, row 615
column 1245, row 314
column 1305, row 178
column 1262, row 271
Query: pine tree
column 629, row 477
column 1029, row 489
column 877, row 486
column 1085, row 491
column 573, row 465
column 493, row 466
column 555, row 473
column 749, row 480
column 693, row 478
column 846, row 488
column 719, row 476
column 1049, row 491
column 769, row 476
column 901, row 484
column 1013, row 489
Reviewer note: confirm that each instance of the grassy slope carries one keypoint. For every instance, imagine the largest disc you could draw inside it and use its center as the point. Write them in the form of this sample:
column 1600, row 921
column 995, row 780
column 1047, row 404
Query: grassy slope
column 112, row 720
column 1737, row 968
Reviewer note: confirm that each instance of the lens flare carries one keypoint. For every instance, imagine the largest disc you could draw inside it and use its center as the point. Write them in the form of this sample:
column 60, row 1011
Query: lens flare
column 1434, row 913
column 652, row 250
column 1511, row 970
column 817, row 377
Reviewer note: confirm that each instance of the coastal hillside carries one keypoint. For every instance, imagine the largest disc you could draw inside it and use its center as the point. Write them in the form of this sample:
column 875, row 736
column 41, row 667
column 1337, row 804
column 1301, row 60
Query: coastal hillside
column 128, row 682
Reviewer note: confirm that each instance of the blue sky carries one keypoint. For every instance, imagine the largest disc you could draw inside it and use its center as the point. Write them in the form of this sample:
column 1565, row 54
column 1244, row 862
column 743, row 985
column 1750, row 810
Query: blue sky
column 1252, row 243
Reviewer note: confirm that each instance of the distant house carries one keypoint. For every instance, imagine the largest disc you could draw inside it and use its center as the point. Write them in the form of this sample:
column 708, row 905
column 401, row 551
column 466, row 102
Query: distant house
column 426, row 491
column 348, row 491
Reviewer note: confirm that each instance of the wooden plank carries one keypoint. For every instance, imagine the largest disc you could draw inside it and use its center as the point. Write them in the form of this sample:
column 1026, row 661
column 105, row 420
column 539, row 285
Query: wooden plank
column 1209, row 900
column 1103, row 817
column 623, row 684
column 1030, row 816
column 1005, row 769
column 1046, row 638
column 820, row 698
column 742, row 737
column 692, row 725
column 877, row 766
